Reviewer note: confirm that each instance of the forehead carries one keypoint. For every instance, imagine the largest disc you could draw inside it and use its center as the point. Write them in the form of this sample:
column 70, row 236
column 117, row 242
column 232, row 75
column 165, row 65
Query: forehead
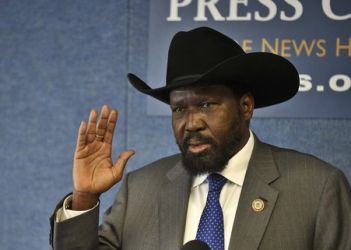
column 209, row 91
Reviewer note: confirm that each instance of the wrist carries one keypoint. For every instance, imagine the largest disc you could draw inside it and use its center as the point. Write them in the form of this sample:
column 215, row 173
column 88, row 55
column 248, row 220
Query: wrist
column 82, row 201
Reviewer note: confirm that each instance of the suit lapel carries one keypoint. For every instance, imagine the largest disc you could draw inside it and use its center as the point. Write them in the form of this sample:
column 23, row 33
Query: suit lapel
column 173, row 204
column 250, row 225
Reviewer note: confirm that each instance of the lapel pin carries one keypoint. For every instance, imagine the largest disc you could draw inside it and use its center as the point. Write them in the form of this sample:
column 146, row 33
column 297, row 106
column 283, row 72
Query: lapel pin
column 258, row 205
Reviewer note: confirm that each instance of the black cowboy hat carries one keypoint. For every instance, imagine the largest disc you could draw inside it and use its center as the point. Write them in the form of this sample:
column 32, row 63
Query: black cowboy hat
column 205, row 56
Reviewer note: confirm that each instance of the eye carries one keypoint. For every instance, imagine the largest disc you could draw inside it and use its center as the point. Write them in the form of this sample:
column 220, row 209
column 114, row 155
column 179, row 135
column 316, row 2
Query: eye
column 205, row 105
column 177, row 109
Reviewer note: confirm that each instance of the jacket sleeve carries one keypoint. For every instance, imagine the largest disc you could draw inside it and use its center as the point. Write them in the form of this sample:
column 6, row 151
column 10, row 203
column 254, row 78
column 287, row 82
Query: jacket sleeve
column 333, row 222
column 80, row 232
column 83, row 233
column 111, row 230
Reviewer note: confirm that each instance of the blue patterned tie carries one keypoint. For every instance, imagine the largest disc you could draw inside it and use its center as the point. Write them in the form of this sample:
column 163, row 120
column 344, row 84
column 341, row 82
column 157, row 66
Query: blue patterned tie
column 211, row 227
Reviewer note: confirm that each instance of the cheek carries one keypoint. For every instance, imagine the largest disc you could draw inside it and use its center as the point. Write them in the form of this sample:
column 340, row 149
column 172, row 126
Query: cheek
column 223, row 125
column 177, row 130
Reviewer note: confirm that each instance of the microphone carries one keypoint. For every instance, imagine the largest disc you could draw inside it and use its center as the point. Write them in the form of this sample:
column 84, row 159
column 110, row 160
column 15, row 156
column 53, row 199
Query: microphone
column 195, row 245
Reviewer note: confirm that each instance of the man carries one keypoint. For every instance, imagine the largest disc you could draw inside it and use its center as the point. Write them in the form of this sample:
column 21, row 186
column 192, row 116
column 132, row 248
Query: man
column 226, row 188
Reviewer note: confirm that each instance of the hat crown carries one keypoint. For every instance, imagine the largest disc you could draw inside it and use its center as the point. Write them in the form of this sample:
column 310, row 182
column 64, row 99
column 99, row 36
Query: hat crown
column 195, row 52
column 204, row 56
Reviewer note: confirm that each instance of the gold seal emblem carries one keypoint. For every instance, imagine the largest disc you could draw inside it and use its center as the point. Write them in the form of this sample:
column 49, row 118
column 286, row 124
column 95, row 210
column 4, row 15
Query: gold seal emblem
column 258, row 205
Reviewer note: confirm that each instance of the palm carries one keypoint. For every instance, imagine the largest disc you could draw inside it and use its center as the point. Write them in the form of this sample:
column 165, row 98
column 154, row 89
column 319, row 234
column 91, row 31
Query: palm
column 93, row 164
column 93, row 169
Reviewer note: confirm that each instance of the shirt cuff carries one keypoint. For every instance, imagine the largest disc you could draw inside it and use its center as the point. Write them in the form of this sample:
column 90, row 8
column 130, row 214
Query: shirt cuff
column 64, row 213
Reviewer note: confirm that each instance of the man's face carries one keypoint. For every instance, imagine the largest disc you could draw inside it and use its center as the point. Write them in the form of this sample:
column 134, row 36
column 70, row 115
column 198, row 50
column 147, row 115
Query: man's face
column 210, row 125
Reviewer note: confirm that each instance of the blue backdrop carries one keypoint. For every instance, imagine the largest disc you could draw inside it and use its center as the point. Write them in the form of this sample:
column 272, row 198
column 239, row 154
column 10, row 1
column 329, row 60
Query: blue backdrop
column 59, row 59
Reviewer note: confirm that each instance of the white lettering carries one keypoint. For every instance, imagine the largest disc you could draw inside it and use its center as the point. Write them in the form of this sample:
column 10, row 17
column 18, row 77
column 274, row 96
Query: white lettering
column 174, row 6
column 298, row 11
column 343, row 79
column 328, row 11
column 233, row 11
column 305, row 83
column 211, row 6
column 272, row 11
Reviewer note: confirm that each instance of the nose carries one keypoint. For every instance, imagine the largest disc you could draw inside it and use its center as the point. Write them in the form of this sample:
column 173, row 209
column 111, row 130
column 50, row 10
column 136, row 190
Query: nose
column 194, row 122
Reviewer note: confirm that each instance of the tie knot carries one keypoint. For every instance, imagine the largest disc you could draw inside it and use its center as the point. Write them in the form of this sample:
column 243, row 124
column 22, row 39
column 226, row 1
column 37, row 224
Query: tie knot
column 216, row 182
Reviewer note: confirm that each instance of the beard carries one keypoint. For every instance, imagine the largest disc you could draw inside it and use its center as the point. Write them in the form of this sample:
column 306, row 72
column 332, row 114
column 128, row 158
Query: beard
column 216, row 157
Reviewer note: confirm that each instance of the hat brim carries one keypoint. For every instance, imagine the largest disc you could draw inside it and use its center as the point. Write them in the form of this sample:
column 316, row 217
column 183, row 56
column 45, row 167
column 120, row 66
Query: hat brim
column 271, row 78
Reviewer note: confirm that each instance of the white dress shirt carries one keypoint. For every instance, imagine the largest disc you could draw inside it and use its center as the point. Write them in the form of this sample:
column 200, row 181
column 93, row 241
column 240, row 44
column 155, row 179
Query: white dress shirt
column 229, row 198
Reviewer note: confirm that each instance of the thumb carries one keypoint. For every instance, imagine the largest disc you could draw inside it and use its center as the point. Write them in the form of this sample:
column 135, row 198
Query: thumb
column 120, row 164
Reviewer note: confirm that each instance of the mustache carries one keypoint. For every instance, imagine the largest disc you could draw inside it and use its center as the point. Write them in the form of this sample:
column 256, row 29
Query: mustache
column 198, row 137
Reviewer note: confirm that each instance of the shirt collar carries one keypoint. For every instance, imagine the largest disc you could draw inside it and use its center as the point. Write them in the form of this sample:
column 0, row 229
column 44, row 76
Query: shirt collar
column 237, row 165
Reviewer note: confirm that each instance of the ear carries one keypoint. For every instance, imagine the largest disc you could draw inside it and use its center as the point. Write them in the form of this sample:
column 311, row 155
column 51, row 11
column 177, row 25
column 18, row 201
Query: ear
column 247, row 105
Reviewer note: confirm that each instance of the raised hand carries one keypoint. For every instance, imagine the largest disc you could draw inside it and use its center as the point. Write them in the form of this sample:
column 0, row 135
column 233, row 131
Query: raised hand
column 93, row 169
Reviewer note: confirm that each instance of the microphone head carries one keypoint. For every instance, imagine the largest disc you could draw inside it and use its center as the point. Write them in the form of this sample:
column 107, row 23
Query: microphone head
column 195, row 245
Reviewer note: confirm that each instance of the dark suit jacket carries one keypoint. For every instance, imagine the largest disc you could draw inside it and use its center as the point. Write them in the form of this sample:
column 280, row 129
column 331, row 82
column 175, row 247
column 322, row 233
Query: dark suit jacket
column 307, row 206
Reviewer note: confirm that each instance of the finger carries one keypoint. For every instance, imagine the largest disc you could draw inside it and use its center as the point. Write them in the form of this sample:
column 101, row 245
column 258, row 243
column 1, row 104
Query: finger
column 121, row 163
column 81, row 140
column 91, row 132
column 102, row 123
column 111, row 124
